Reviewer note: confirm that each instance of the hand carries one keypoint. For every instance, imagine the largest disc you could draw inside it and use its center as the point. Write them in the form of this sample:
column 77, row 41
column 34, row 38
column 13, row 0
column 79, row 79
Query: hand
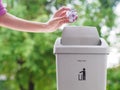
column 59, row 18
column 55, row 23
column 61, row 12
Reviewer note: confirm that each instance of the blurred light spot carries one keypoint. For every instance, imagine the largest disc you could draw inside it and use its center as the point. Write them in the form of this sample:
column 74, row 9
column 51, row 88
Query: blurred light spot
column 5, row 4
column 90, row 1
column 3, row 77
column 117, row 10
column 113, row 58
column 104, row 30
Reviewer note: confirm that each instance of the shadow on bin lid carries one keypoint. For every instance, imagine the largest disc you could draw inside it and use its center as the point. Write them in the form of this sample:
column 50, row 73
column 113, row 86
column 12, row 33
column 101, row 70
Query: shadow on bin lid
column 76, row 35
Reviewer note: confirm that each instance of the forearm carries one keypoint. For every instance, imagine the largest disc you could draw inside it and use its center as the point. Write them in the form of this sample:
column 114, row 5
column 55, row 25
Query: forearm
column 15, row 23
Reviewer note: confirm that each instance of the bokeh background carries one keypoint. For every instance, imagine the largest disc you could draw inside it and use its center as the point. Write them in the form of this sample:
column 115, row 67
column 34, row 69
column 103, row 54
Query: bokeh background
column 26, row 59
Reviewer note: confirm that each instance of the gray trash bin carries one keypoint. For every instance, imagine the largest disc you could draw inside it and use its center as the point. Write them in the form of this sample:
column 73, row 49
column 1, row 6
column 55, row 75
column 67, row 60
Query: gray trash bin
column 81, row 59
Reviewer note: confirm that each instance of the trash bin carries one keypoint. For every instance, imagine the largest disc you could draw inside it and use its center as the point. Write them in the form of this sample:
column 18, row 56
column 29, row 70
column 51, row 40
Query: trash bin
column 81, row 57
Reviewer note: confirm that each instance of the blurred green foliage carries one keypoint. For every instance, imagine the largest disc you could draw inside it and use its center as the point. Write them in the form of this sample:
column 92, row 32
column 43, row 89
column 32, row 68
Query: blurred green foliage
column 27, row 60
column 113, row 79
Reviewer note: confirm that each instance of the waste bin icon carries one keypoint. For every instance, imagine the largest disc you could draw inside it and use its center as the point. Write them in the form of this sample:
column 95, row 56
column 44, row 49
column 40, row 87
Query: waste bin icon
column 81, row 57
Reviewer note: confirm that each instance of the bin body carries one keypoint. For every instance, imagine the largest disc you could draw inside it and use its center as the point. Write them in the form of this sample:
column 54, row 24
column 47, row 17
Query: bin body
column 69, row 77
column 81, row 67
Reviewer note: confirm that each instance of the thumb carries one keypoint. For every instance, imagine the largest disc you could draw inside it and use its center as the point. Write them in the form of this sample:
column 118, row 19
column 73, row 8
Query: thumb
column 59, row 19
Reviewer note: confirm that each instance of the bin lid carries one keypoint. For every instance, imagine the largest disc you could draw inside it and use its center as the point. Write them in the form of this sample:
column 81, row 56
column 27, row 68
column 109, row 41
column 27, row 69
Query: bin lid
column 76, row 35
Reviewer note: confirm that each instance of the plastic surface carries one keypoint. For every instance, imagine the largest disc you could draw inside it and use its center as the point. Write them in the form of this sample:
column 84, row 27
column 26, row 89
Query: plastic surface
column 81, row 49
column 80, row 36
column 81, row 58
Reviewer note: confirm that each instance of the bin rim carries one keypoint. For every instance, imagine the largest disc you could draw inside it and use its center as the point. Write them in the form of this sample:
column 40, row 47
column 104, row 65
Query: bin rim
column 83, row 49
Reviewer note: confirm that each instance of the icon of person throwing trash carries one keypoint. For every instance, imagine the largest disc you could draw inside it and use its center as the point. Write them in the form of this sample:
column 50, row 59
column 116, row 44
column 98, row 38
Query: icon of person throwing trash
column 82, row 75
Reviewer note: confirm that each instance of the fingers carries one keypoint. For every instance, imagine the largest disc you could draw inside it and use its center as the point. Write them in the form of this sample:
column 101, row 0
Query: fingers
column 63, row 21
column 57, row 22
column 61, row 12
column 59, row 19
column 64, row 8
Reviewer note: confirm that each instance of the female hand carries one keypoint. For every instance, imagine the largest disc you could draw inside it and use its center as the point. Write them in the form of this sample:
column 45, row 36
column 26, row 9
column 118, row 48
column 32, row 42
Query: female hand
column 59, row 18
column 61, row 12
column 55, row 23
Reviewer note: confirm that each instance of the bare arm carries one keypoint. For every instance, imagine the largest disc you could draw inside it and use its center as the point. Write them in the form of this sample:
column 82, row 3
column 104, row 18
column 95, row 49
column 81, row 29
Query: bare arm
column 19, row 24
